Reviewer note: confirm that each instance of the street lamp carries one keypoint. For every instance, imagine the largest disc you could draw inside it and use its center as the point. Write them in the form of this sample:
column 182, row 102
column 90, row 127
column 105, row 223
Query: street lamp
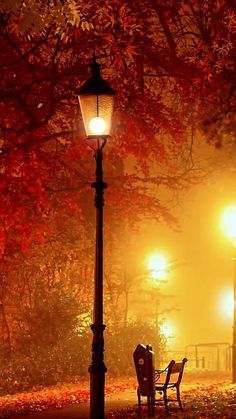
column 96, row 99
column 229, row 226
column 157, row 265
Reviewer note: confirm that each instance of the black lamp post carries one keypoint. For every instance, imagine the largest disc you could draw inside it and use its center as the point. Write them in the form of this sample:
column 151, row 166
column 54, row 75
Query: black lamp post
column 96, row 99
column 229, row 226
column 234, row 318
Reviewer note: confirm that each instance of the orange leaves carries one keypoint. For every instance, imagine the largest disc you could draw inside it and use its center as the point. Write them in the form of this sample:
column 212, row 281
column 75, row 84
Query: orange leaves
column 132, row 48
column 170, row 64
column 208, row 401
column 24, row 202
column 55, row 398
column 118, row 26
column 2, row 242
column 39, row 401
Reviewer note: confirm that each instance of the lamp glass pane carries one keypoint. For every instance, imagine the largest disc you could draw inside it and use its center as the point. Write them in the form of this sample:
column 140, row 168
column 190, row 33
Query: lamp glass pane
column 99, row 107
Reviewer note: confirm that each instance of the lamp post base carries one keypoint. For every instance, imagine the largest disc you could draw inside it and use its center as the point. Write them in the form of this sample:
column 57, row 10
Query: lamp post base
column 97, row 384
column 97, row 371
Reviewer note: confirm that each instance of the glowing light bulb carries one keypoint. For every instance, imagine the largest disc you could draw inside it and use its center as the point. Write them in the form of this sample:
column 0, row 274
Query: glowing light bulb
column 97, row 125
column 166, row 329
column 157, row 264
column 226, row 304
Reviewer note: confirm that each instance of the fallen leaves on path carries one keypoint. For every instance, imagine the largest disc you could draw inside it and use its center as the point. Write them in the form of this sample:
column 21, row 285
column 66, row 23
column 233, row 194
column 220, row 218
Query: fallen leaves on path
column 23, row 403
column 208, row 402
column 55, row 397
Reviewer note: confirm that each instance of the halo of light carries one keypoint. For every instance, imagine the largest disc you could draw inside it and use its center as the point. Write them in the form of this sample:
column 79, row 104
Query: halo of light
column 157, row 264
column 229, row 222
column 226, row 304
column 97, row 125
column 166, row 329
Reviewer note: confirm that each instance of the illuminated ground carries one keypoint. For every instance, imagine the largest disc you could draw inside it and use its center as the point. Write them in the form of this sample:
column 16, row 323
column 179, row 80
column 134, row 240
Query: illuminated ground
column 205, row 395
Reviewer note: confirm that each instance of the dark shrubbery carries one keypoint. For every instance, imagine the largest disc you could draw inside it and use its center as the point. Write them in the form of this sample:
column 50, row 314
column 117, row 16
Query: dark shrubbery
column 44, row 366
column 121, row 343
column 70, row 356
column 48, row 349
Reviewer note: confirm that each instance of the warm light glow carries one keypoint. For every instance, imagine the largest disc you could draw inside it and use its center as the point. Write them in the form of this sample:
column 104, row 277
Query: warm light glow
column 166, row 329
column 229, row 222
column 97, row 125
column 226, row 304
column 157, row 264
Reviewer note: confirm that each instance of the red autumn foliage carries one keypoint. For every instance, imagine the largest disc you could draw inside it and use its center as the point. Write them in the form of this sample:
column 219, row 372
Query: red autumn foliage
column 173, row 66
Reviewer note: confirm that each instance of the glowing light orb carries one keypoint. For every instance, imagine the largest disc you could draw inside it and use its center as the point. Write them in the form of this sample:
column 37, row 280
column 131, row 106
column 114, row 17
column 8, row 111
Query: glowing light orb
column 97, row 125
column 157, row 264
column 166, row 329
column 229, row 222
column 226, row 304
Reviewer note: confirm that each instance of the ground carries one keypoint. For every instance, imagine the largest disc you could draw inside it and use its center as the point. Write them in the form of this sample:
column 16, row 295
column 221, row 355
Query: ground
column 204, row 395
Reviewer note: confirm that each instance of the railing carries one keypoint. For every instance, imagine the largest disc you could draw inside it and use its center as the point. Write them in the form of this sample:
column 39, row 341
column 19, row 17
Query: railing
column 214, row 356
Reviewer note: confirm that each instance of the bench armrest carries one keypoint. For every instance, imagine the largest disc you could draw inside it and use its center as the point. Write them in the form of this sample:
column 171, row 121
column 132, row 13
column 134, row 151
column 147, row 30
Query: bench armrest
column 161, row 371
column 156, row 375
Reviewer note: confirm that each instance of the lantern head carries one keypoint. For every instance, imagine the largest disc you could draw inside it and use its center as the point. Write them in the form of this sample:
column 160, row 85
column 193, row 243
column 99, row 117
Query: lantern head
column 96, row 99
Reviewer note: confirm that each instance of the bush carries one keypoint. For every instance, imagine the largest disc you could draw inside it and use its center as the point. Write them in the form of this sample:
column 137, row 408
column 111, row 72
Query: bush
column 53, row 348
column 45, row 366
column 47, row 349
column 120, row 343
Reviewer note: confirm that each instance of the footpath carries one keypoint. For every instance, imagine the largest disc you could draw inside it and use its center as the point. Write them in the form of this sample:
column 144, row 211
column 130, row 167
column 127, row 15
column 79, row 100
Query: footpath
column 208, row 396
column 113, row 402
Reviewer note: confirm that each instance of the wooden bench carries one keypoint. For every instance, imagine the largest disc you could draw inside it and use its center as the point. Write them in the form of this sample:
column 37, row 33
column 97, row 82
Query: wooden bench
column 152, row 383
column 144, row 365
column 171, row 378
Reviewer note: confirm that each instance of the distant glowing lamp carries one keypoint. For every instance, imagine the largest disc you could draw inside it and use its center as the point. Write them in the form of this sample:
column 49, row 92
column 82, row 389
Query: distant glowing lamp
column 229, row 223
column 166, row 330
column 157, row 265
column 226, row 304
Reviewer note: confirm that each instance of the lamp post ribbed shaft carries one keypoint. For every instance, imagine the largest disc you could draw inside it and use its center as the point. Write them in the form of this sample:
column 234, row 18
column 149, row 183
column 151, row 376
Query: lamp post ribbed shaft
column 97, row 368
column 234, row 321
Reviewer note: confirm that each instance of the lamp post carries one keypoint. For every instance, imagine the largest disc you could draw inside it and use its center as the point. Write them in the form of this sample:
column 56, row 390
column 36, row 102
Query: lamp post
column 96, row 99
column 229, row 225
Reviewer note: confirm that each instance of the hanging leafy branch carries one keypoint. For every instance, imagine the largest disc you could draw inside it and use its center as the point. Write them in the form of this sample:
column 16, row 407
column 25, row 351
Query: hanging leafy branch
column 173, row 66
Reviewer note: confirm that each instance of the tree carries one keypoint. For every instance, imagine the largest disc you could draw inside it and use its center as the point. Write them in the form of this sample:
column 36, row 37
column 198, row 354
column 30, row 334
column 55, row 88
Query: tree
column 172, row 64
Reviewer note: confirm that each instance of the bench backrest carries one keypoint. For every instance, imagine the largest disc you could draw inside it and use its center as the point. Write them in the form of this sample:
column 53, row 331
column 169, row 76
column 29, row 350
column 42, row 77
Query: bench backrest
column 175, row 372
column 144, row 366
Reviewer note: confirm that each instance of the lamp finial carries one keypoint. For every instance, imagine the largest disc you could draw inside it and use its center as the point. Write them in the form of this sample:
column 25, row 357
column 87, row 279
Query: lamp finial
column 95, row 68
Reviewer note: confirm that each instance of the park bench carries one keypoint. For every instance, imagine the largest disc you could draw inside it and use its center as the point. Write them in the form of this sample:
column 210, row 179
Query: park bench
column 155, row 383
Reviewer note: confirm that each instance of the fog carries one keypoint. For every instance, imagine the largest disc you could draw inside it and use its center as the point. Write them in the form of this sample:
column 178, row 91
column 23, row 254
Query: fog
column 201, row 284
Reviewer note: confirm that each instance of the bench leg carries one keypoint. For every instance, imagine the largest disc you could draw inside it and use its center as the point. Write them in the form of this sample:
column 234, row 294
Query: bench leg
column 139, row 401
column 178, row 398
column 165, row 400
column 149, row 405
column 153, row 404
